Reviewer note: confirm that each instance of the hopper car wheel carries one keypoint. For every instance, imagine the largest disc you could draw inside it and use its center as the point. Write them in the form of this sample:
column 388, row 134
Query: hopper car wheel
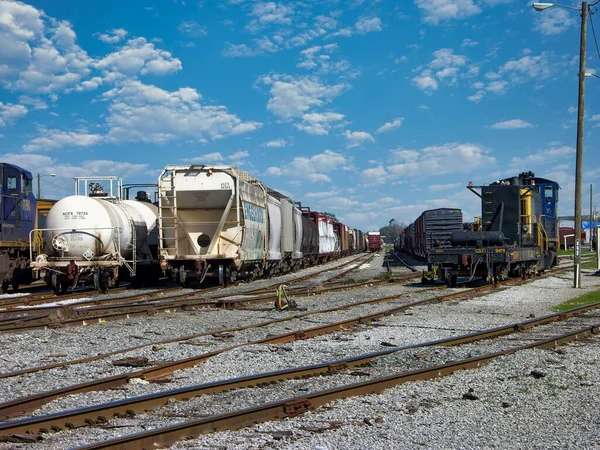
column 15, row 284
column 5, row 284
column 231, row 274
column 221, row 272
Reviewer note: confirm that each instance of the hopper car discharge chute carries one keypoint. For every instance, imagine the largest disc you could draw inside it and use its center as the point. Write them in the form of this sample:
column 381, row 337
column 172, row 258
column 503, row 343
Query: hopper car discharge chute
column 95, row 237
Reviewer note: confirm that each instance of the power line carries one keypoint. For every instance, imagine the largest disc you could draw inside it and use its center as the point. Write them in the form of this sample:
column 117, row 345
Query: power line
column 593, row 29
column 67, row 189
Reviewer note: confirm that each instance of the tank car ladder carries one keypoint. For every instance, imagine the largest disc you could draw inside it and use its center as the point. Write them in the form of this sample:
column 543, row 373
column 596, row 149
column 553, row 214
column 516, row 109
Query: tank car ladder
column 167, row 216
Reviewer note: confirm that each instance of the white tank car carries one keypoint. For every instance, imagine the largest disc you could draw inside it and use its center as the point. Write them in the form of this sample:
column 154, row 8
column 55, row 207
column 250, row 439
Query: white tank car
column 92, row 229
column 89, row 239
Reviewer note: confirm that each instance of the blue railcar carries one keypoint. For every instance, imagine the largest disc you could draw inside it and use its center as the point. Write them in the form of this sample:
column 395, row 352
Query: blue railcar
column 18, row 207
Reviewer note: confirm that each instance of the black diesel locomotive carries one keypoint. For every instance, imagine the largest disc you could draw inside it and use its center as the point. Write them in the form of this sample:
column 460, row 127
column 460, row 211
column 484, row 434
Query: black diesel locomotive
column 518, row 234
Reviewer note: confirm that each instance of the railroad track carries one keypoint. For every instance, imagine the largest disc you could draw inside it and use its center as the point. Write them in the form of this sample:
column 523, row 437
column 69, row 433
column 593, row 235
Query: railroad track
column 289, row 407
column 109, row 309
column 20, row 406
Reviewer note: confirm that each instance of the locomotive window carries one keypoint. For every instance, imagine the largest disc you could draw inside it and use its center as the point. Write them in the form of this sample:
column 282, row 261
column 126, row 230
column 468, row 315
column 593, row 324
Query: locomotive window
column 548, row 192
column 25, row 185
column 11, row 183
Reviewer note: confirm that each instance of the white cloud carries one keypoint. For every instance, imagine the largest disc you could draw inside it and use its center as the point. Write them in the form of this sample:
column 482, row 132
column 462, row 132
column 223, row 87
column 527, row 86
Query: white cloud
column 57, row 139
column 146, row 113
column 438, row 10
column 138, row 56
column 554, row 21
column 37, row 103
column 38, row 53
column 238, row 155
column 443, row 187
column 9, row 112
column 546, row 156
column 292, row 97
column 314, row 168
column 425, row 81
column 511, row 124
column 191, row 28
column 269, row 13
column 452, row 157
column 318, row 123
column 366, row 25
column 396, row 123
column 374, row 177
column 443, row 68
column 357, row 138
column 276, row 143
column 113, row 36
column 239, row 50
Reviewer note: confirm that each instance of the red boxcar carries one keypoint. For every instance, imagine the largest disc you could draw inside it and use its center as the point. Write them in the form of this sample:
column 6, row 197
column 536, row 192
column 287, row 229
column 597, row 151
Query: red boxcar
column 567, row 235
column 374, row 241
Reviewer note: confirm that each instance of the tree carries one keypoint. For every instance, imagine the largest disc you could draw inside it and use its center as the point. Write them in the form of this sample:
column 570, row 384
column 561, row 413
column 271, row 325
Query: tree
column 391, row 232
column 331, row 216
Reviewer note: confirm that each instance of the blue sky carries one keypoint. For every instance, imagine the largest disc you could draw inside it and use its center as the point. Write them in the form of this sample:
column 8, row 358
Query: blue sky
column 369, row 109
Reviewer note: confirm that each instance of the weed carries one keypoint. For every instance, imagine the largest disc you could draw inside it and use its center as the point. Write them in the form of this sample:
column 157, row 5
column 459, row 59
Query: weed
column 586, row 299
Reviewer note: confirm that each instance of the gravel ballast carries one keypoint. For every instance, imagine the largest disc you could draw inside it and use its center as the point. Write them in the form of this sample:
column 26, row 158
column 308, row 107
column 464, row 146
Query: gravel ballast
column 512, row 409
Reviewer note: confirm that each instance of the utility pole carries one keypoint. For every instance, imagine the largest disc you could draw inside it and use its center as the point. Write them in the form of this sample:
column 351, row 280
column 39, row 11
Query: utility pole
column 579, row 150
column 39, row 189
column 591, row 217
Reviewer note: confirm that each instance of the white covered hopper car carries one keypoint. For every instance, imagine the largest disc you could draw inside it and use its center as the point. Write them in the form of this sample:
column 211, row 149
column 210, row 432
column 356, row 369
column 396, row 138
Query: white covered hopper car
column 96, row 237
column 221, row 222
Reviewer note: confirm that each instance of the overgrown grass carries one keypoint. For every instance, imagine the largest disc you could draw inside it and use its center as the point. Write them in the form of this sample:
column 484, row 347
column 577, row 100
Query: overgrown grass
column 350, row 281
column 568, row 252
column 385, row 276
column 586, row 299
column 592, row 265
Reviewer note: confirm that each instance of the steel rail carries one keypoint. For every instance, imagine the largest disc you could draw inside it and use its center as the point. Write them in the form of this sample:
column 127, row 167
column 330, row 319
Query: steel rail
column 23, row 405
column 195, row 336
column 297, row 405
column 128, row 407
column 75, row 315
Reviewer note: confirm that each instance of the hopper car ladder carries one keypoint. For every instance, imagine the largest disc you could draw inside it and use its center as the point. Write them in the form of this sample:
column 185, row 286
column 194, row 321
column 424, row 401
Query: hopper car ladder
column 167, row 216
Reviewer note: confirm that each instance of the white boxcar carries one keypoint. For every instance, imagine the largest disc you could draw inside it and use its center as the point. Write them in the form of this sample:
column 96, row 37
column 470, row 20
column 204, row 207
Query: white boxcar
column 213, row 221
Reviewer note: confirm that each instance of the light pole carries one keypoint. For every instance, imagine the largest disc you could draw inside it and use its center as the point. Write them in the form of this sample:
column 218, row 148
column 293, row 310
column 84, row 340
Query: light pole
column 579, row 151
column 39, row 187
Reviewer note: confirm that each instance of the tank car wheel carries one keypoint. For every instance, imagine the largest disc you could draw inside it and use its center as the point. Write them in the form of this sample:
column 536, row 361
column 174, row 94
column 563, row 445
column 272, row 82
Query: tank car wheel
column 55, row 283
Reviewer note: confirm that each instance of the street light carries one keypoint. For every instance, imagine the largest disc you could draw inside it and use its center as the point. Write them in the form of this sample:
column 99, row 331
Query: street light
column 579, row 151
column 39, row 189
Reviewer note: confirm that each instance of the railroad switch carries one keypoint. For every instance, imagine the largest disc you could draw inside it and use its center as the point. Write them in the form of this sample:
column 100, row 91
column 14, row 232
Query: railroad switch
column 283, row 301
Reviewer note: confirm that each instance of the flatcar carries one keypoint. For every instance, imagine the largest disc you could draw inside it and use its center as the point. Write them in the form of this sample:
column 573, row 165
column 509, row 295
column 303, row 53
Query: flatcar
column 519, row 235
column 96, row 237
column 221, row 222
